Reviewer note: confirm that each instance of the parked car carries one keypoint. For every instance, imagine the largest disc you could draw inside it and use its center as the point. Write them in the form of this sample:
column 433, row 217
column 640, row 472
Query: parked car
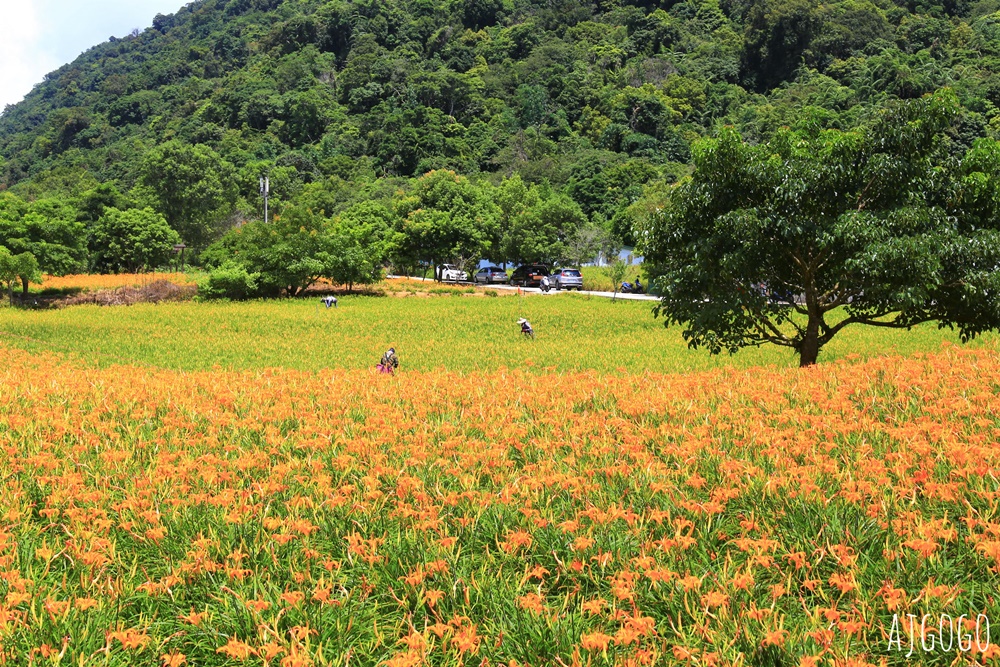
column 567, row 279
column 450, row 273
column 490, row 275
column 529, row 275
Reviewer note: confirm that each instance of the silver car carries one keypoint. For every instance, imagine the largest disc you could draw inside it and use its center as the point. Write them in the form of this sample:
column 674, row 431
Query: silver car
column 490, row 275
column 566, row 279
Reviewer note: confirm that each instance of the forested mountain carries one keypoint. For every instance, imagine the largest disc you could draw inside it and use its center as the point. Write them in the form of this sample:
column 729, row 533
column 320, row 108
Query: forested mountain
column 598, row 102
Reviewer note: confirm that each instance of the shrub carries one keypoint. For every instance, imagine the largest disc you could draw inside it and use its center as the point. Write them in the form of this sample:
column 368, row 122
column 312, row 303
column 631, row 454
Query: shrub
column 229, row 281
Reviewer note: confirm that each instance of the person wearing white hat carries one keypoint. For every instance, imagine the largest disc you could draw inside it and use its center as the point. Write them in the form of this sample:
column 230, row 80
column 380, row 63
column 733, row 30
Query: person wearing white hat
column 526, row 328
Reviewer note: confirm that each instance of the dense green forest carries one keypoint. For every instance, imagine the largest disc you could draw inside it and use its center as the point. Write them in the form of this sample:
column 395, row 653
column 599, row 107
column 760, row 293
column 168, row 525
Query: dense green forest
column 551, row 118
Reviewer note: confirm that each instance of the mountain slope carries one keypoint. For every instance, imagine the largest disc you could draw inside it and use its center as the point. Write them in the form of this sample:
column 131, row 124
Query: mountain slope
column 557, row 91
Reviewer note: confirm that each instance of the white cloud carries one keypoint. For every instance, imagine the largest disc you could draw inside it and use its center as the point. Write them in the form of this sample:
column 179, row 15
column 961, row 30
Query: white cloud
column 22, row 61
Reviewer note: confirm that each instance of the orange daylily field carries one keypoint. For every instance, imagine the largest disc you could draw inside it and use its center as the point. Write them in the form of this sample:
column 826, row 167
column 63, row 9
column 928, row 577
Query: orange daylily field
column 110, row 281
column 757, row 516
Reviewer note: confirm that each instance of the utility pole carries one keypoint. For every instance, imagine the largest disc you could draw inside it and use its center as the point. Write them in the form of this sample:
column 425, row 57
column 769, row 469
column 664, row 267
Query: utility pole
column 265, row 188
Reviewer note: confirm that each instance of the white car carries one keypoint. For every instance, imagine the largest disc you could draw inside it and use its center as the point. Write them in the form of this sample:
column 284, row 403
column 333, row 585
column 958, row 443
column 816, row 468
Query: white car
column 452, row 274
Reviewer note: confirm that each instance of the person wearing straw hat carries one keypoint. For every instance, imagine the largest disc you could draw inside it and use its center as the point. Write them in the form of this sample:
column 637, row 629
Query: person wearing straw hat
column 526, row 328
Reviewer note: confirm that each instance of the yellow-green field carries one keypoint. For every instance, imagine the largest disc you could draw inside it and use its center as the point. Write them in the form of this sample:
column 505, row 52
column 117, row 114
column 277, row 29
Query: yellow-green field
column 457, row 333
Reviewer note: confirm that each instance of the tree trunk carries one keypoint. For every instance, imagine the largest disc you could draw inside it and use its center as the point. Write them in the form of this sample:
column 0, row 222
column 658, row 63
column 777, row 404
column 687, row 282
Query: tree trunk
column 809, row 349
column 24, row 286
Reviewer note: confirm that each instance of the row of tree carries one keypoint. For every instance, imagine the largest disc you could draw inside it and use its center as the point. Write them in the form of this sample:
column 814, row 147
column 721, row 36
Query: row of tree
column 332, row 231
column 442, row 217
column 63, row 237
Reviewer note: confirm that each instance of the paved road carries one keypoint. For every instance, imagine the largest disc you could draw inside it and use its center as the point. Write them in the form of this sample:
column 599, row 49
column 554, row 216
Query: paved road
column 536, row 290
column 553, row 291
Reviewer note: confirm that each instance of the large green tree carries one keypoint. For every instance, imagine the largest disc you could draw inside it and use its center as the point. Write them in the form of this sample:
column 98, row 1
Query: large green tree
column 791, row 241
column 542, row 227
column 47, row 229
column 21, row 268
column 192, row 186
column 286, row 256
column 131, row 240
column 445, row 218
column 363, row 240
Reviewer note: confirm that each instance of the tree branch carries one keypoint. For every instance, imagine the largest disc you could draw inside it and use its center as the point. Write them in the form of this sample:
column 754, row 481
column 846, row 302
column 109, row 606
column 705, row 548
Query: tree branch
column 775, row 339
column 870, row 321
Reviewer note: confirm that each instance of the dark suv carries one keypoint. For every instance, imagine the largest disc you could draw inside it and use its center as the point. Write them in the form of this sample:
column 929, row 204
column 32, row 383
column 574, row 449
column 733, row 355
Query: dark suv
column 529, row 275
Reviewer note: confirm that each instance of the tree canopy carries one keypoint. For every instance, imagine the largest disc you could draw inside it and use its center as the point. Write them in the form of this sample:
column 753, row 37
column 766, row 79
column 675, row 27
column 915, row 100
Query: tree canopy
column 192, row 186
column 289, row 254
column 48, row 229
column 22, row 268
column 790, row 241
column 445, row 218
column 131, row 240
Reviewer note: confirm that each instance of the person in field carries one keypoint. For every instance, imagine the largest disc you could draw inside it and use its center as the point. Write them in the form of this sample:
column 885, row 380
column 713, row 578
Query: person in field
column 526, row 328
column 389, row 362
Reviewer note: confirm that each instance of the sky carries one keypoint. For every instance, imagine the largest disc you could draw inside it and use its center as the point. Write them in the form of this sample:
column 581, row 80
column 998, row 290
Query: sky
column 42, row 35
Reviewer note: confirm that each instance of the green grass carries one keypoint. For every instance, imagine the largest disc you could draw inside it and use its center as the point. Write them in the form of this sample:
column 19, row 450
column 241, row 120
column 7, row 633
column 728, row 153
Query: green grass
column 594, row 278
column 459, row 333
